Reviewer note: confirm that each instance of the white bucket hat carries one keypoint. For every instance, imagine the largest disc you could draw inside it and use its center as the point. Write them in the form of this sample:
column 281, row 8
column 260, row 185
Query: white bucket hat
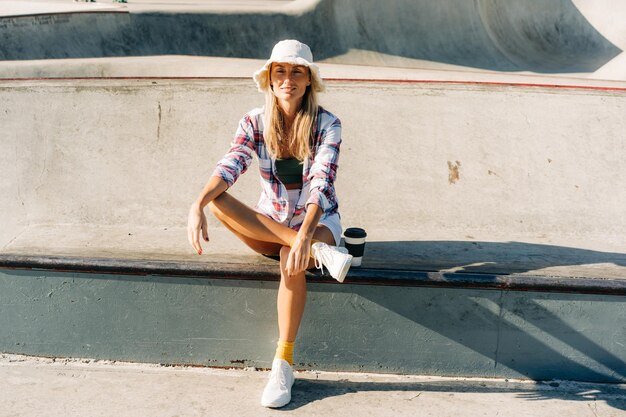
column 291, row 52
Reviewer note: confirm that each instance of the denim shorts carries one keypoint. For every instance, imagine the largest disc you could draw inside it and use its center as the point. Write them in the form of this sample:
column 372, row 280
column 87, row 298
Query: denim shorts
column 332, row 222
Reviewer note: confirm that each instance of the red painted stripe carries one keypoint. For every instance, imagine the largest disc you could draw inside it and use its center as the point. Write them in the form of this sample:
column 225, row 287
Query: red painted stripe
column 355, row 80
column 496, row 83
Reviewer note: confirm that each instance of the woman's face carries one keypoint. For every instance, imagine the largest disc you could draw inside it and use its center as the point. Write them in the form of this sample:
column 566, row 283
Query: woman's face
column 288, row 81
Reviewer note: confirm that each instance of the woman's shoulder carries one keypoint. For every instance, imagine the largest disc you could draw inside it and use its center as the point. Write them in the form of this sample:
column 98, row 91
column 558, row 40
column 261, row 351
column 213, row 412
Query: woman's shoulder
column 255, row 115
column 326, row 118
column 255, row 112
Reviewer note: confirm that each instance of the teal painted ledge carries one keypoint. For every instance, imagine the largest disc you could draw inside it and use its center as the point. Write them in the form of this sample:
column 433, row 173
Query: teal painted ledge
column 417, row 327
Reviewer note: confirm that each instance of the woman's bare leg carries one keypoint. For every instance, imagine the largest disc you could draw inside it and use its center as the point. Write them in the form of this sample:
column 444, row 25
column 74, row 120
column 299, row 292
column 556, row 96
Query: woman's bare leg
column 267, row 236
column 291, row 299
column 259, row 246
column 245, row 221
column 292, row 291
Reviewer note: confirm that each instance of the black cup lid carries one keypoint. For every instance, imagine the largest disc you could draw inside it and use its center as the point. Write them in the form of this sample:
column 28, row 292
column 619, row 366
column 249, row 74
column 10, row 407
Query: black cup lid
column 355, row 232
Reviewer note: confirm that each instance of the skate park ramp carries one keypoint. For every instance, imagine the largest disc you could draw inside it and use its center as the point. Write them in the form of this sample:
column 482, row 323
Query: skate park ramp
column 482, row 152
column 494, row 215
column 569, row 37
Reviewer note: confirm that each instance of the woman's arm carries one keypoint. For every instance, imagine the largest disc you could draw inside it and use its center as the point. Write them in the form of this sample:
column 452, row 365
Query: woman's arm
column 239, row 156
column 322, row 195
column 196, row 220
column 300, row 252
column 228, row 169
column 213, row 188
column 324, row 168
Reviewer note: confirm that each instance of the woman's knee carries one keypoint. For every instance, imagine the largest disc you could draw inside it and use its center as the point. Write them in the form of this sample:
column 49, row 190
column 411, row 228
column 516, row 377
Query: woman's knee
column 284, row 254
column 214, row 206
column 223, row 206
column 216, row 211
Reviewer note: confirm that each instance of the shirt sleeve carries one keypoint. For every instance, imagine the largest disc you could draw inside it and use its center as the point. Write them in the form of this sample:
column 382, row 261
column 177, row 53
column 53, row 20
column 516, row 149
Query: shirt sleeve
column 239, row 156
column 324, row 168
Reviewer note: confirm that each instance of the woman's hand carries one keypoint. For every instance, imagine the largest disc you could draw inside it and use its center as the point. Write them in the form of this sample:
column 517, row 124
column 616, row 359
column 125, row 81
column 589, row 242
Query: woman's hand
column 196, row 224
column 299, row 255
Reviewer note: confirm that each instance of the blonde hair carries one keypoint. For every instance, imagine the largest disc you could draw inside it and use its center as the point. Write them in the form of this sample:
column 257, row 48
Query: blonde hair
column 298, row 144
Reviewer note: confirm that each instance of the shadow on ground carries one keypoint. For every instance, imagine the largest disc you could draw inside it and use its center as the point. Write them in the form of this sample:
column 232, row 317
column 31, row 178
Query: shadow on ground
column 307, row 391
column 489, row 257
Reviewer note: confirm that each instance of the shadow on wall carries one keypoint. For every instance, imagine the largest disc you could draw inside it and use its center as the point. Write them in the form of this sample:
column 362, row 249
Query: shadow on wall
column 536, row 335
column 535, row 35
column 520, row 331
column 485, row 257
column 452, row 331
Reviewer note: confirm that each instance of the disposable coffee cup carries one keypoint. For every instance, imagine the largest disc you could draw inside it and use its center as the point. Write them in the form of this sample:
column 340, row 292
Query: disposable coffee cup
column 355, row 243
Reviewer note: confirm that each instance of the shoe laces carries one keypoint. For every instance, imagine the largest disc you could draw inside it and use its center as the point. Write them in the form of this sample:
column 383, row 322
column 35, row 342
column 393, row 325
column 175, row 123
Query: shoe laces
column 278, row 376
column 319, row 264
column 321, row 252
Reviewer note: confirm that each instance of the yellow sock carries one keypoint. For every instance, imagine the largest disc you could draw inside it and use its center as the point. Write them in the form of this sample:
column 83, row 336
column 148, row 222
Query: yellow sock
column 284, row 350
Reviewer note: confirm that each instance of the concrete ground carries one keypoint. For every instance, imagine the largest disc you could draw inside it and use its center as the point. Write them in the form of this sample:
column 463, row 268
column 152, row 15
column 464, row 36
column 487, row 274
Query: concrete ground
column 81, row 387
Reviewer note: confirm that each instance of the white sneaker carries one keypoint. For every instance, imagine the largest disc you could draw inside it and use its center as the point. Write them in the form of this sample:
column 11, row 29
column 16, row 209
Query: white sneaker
column 277, row 392
column 336, row 259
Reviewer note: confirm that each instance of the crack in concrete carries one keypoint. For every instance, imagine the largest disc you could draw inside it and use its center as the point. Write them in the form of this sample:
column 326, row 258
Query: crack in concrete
column 159, row 123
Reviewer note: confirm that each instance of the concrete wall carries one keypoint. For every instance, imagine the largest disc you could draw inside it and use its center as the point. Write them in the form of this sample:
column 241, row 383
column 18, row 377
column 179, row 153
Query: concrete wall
column 455, row 332
column 432, row 160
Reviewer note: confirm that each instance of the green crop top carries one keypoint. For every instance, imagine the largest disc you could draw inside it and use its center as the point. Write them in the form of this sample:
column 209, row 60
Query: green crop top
column 289, row 171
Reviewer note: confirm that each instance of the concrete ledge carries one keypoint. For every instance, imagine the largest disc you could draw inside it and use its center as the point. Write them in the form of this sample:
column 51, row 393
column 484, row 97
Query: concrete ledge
column 185, row 67
column 365, row 328
column 227, row 269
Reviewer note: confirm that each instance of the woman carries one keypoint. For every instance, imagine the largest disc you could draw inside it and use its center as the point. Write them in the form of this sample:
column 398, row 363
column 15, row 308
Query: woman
column 297, row 145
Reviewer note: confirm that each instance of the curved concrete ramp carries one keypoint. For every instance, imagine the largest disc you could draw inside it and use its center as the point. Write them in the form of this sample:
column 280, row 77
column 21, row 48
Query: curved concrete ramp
column 540, row 35
column 544, row 36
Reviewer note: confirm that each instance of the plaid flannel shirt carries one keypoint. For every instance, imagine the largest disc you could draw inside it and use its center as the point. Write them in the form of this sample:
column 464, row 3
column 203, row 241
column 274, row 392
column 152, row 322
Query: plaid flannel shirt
column 318, row 172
